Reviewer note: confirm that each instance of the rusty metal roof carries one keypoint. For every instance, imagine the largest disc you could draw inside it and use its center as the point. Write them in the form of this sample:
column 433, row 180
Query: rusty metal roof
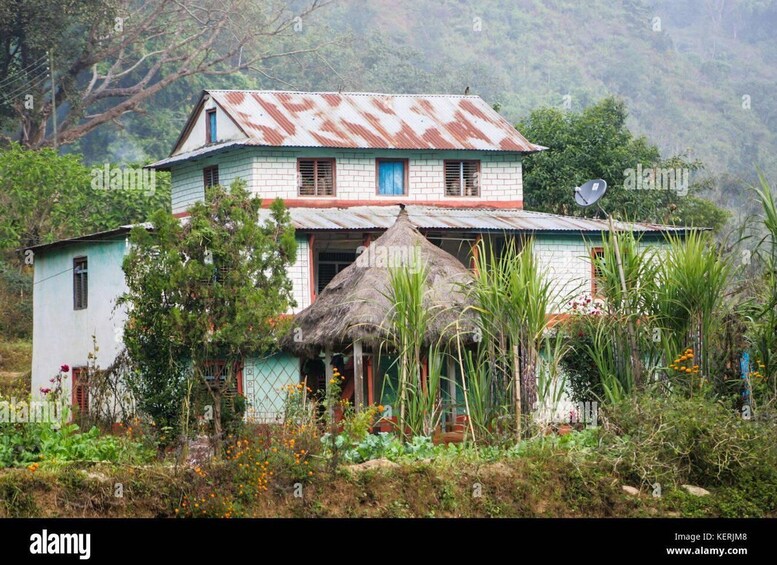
column 477, row 220
column 360, row 120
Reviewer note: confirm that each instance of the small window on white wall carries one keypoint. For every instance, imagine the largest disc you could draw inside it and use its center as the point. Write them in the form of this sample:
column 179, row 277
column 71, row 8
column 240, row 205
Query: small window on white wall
column 211, row 133
column 462, row 178
column 316, row 177
column 210, row 176
column 80, row 283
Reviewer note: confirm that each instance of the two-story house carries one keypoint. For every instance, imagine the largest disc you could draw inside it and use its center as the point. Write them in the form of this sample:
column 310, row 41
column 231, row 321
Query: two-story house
column 342, row 162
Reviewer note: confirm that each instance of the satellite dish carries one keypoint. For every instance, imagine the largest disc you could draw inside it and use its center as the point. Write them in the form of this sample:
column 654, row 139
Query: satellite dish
column 590, row 192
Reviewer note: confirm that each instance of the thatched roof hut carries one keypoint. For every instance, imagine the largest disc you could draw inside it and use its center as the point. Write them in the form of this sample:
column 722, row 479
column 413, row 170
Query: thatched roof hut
column 355, row 305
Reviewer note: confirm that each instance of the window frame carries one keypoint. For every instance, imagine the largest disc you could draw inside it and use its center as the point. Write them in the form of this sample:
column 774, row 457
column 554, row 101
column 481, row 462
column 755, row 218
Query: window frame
column 445, row 164
column 316, row 160
column 205, row 171
column 341, row 265
column 594, row 253
column 209, row 129
column 77, row 376
column 405, row 180
column 222, row 364
column 81, row 298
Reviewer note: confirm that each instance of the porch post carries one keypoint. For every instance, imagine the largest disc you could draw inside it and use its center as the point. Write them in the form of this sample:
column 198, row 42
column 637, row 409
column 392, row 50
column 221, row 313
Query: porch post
column 451, row 370
column 358, row 376
column 475, row 248
column 370, row 380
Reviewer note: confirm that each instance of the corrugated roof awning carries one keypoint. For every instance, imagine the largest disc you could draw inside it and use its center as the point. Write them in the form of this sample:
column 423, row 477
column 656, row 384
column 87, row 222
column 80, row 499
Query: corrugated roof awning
column 475, row 219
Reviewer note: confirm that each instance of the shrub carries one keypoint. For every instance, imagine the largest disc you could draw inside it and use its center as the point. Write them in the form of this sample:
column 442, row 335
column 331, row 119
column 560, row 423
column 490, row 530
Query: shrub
column 674, row 440
column 29, row 444
column 15, row 303
column 582, row 374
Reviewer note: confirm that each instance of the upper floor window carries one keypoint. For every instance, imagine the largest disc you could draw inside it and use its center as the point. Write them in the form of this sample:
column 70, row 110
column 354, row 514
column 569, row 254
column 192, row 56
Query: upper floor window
column 210, row 176
column 80, row 283
column 211, row 134
column 462, row 178
column 316, row 177
column 597, row 262
column 392, row 177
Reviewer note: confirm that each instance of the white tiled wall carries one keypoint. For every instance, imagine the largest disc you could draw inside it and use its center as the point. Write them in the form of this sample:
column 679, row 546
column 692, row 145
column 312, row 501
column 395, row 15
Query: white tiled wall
column 567, row 264
column 299, row 273
column 272, row 173
column 188, row 183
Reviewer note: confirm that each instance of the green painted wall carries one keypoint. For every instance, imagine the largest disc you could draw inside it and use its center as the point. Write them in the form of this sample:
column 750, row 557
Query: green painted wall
column 263, row 380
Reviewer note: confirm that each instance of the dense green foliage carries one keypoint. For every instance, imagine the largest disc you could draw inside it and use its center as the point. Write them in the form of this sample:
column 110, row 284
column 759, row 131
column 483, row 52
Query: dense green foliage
column 33, row 444
column 672, row 440
column 596, row 143
column 209, row 289
column 46, row 196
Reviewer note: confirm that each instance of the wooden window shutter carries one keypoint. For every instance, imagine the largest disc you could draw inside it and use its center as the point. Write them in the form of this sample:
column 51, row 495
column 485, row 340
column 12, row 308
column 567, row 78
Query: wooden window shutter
column 462, row 178
column 316, row 177
column 210, row 176
column 80, row 387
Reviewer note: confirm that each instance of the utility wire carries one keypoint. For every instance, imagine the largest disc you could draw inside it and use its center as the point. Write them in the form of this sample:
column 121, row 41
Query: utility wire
column 35, row 77
column 30, row 69
column 33, row 83
column 54, row 275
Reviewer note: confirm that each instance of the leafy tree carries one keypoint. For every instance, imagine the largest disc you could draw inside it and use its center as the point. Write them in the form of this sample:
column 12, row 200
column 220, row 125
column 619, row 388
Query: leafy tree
column 45, row 197
column 112, row 55
column 208, row 289
column 595, row 143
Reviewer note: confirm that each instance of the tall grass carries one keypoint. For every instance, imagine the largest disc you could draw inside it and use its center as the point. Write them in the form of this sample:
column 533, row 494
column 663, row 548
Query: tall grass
column 513, row 299
column 627, row 313
column 418, row 394
column 690, row 289
column 673, row 299
column 762, row 332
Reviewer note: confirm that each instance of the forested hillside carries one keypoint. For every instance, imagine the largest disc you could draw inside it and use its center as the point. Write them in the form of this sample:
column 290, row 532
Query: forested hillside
column 697, row 76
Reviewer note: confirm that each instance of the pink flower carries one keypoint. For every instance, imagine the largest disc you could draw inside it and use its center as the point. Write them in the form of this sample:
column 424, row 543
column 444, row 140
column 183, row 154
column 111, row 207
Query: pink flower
column 45, row 390
column 65, row 368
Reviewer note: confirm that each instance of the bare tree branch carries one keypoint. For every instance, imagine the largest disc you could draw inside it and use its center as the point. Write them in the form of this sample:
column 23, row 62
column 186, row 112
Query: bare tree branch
column 137, row 48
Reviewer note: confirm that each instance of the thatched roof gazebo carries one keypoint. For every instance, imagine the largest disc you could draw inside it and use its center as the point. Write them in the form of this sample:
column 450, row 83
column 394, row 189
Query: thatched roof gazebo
column 353, row 309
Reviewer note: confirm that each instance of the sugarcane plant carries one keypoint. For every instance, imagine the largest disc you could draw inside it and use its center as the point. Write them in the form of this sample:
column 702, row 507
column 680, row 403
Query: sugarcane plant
column 512, row 300
column 418, row 389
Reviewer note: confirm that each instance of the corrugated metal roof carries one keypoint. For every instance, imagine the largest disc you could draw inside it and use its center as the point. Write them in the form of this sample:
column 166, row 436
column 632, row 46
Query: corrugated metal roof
column 96, row 236
column 360, row 120
column 429, row 217
column 201, row 152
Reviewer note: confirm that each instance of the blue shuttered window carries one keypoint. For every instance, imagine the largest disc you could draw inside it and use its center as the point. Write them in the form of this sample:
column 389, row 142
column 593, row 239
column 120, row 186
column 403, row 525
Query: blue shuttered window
column 391, row 177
